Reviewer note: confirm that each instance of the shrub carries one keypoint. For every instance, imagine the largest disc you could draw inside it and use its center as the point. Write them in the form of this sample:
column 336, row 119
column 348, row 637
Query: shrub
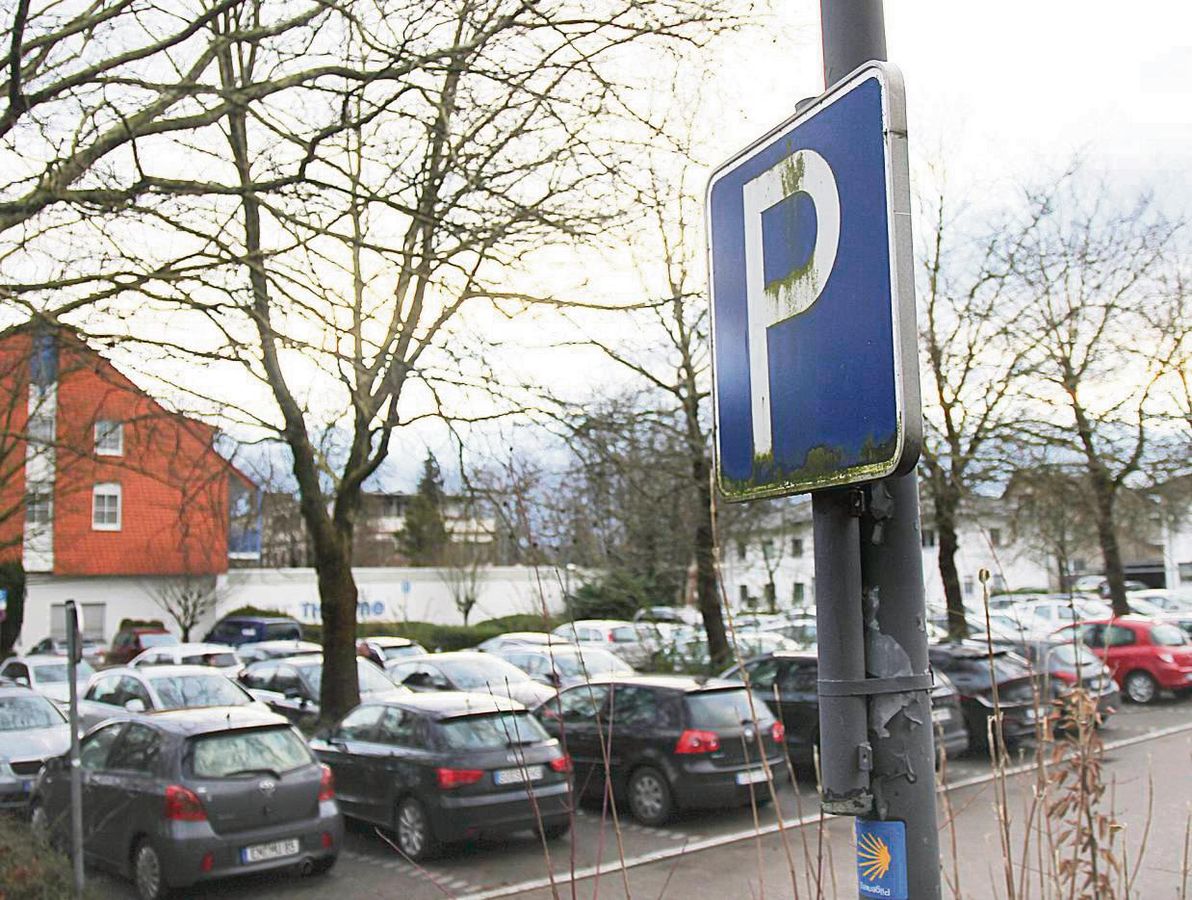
column 618, row 595
column 12, row 579
column 29, row 868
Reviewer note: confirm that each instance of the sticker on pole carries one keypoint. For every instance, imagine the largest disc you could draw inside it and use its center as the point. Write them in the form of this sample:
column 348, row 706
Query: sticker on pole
column 815, row 366
column 881, row 859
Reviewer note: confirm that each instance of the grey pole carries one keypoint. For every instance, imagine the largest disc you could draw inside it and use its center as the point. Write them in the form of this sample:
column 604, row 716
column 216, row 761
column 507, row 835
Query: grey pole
column 903, row 776
column 74, row 653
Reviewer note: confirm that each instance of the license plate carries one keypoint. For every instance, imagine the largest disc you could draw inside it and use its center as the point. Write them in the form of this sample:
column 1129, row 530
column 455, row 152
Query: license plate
column 753, row 776
column 517, row 776
column 941, row 715
column 27, row 786
column 273, row 850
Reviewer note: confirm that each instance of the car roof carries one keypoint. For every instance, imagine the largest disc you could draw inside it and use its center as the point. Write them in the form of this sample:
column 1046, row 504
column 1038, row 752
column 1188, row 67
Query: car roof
column 157, row 671
column 198, row 647
column 390, row 641
column 449, row 704
column 206, row 719
column 37, row 658
column 12, row 689
column 685, row 683
column 267, row 620
column 449, row 656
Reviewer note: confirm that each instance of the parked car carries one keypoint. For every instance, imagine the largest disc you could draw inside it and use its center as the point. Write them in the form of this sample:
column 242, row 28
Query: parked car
column 691, row 654
column 259, row 650
column 1064, row 665
column 615, row 635
column 467, row 670
column 1099, row 585
column 291, row 686
column 237, row 630
column 130, row 642
column 443, row 767
column 1143, row 655
column 1036, row 621
column 1167, row 601
column 522, row 639
column 673, row 615
column 46, row 674
column 565, row 665
column 382, row 649
column 672, row 743
column 795, row 675
column 118, row 692
column 967, row 665
column 32, row 730
column 215, row 656
column 187, row 796
column 94, row 650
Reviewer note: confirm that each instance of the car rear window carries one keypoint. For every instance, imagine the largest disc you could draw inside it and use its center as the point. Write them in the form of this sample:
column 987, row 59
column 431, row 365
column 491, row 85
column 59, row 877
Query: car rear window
column 228, row 754
column 21, row 713
column 481, row 673
column 399, row 652
column 157, row 640
column 592, row 662
column 283, row 631
column 725, row 709
column 491, row 731
column 210, row 659
column 190, row 691
column 1167, row 636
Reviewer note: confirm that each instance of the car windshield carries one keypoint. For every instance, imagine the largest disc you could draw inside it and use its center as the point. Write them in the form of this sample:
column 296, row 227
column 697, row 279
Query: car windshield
column 725, row 709
column 492, row 730
column 1168, row 636
column 25, row 712
column 55, row 673
column 399, row 652
column 372, row 681
column 591, row 662
column 187, row 691
column 1072, row 655
column 283, row 631
column 158, row 640
column 227, row 754
column 219, row 660
column 473, row 674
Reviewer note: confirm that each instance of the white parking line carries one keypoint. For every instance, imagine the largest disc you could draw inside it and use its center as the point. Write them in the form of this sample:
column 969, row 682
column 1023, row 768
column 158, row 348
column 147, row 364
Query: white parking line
column 723, row 840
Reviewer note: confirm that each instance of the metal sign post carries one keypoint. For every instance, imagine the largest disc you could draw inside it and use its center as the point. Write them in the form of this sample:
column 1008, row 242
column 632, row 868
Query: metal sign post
column 74, row 653
column 816, row 390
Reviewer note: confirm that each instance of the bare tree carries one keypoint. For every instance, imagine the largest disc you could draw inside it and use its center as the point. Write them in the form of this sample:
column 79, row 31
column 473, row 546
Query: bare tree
column 187, row 599
column 460, row 571
column 973, row 368
column 1097, row 276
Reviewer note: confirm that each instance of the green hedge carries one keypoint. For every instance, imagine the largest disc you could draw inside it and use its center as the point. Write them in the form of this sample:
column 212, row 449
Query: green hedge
column 30, row 869
column 442, row 637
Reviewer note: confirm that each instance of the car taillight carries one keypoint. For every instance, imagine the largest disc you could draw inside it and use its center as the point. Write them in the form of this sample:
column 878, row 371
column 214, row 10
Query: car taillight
column 562, row 764
column 327, row 785
column 453, row 778
column 183, row 805
column 778, row 732
column 693, row 741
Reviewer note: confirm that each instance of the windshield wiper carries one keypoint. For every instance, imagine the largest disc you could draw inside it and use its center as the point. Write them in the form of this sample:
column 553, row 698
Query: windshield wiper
column 273, row 773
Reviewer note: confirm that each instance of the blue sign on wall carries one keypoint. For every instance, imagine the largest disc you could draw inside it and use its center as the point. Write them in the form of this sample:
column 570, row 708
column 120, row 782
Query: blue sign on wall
column 881, row 859
column 815, row 366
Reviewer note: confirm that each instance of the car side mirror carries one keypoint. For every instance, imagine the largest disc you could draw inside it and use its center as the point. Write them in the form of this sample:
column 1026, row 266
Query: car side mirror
column 135, row 705
column 22, row 680
column 553, row 679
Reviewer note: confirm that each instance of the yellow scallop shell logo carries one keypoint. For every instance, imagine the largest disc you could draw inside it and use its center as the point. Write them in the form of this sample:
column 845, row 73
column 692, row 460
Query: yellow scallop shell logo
column 873, row 857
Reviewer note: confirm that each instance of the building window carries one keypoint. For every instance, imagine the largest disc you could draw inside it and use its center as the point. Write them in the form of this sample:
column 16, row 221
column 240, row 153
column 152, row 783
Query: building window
column 1185, row 572
column 37, row 507
column 743, row 592
column 740, row 549
column 41, row 428
column 799, row 593
column 928, row 537
column 995, row 537
column 796, row 546
column 109, row 438
column 106, row 509
column 969, row 585
column 767, row 549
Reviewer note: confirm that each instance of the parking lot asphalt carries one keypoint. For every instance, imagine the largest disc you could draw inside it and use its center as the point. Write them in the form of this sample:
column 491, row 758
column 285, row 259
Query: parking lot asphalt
column 516, row 865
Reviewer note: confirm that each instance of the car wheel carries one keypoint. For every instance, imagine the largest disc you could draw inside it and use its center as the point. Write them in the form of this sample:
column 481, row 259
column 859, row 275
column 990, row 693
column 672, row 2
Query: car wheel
column 650, row 798
column 324, row 865
column 414, row 836
column 1140, row 687
column 147, row 872
column 556, row 831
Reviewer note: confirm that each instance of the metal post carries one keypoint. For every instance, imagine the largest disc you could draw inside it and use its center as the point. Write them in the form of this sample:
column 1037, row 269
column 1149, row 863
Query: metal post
column 895, row 638
column 74, row 652
column 844, row 764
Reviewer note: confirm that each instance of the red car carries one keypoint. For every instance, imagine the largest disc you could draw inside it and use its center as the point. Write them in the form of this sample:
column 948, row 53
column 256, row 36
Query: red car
column 1144, row 655
column 131, row 642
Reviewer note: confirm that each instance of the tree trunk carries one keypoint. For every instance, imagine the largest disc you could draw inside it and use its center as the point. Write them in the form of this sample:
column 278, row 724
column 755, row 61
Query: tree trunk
column 705, row 565
column 337, row 596
column 1105, row 495
column 946, row 503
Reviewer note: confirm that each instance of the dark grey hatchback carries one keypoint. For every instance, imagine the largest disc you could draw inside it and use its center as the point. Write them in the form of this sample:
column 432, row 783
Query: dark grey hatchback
column 178, row 797
column 446, row 767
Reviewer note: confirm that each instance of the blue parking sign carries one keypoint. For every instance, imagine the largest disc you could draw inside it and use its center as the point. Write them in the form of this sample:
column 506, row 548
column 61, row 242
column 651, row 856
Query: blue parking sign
column 815, row 369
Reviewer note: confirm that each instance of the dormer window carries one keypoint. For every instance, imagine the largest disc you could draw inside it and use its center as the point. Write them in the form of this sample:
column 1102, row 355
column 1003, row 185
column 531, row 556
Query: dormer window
column 109, row 438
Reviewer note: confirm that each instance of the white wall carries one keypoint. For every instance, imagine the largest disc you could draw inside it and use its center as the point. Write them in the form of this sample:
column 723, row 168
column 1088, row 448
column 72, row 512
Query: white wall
column 119, row 597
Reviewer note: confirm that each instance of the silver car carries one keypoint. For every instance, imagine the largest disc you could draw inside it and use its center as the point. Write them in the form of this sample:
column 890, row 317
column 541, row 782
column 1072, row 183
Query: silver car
column 32, row 730
column 46, row 674
column 185, row 796
column 119, row 692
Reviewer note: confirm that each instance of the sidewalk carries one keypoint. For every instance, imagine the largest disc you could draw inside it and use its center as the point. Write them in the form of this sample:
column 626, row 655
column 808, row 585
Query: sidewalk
column 974, row 872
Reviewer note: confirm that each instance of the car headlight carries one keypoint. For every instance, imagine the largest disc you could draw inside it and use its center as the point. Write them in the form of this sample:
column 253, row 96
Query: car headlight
column 6, row 770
